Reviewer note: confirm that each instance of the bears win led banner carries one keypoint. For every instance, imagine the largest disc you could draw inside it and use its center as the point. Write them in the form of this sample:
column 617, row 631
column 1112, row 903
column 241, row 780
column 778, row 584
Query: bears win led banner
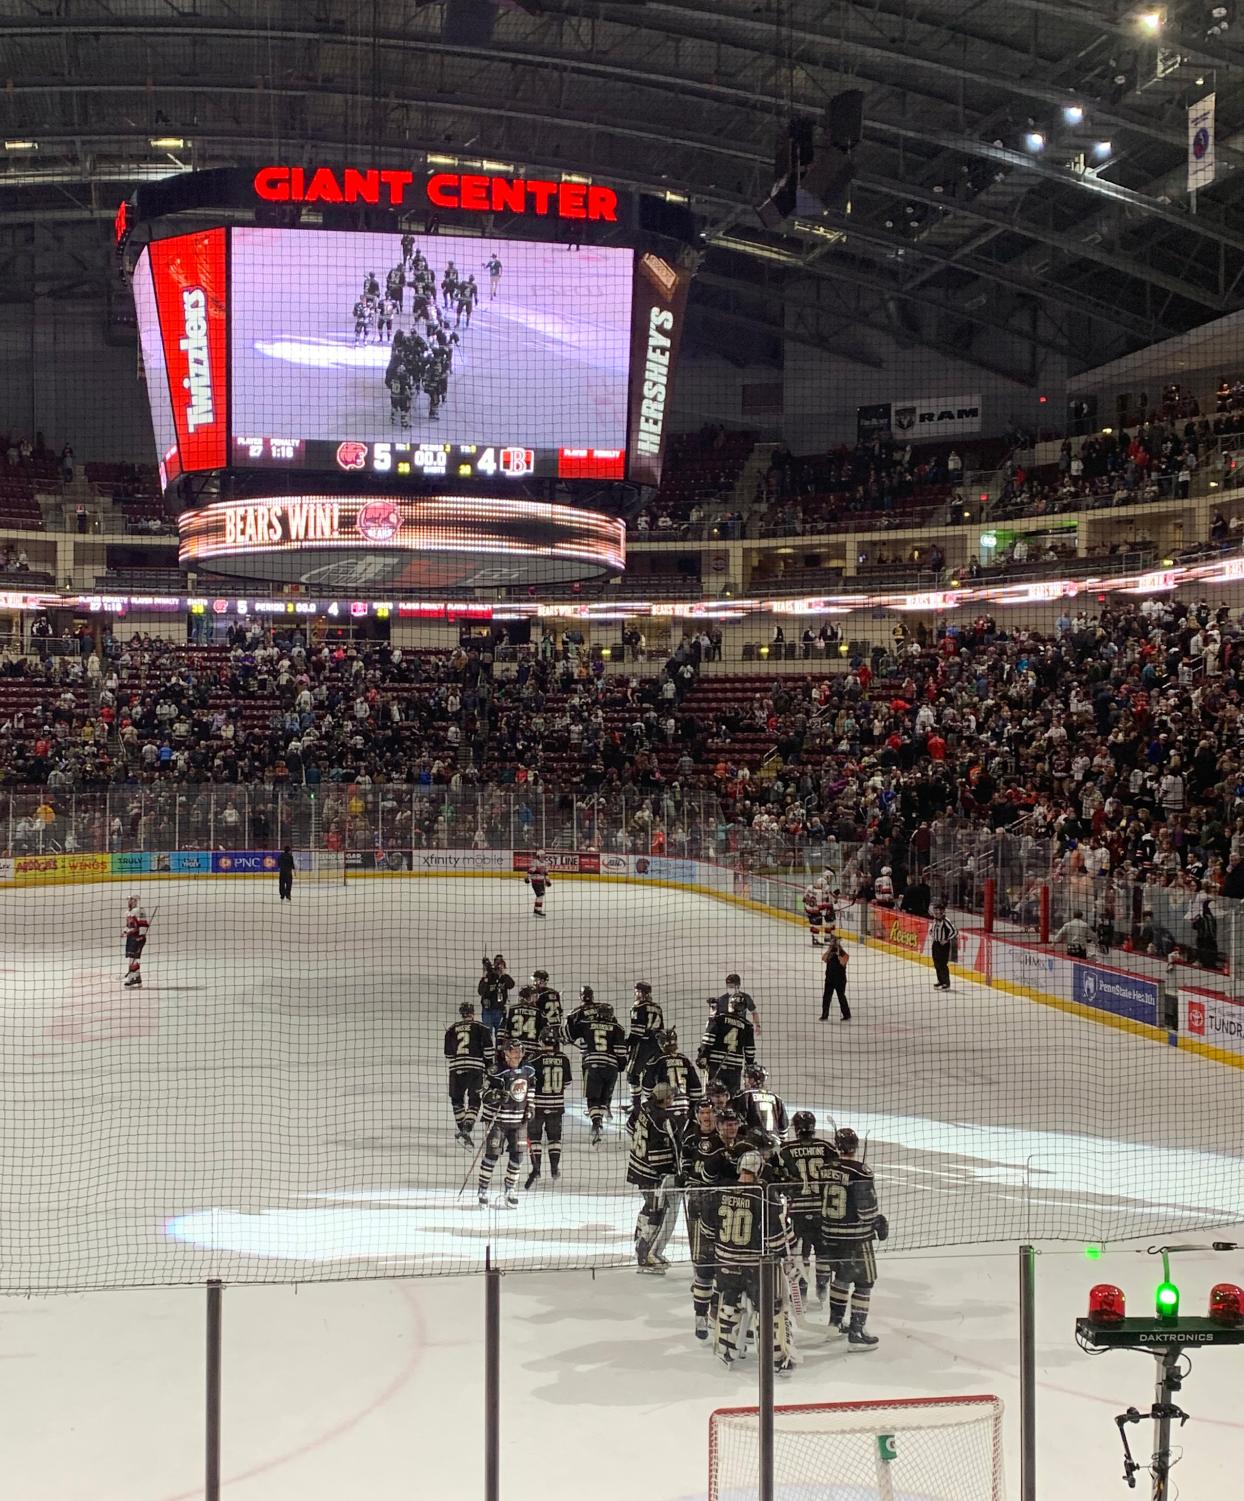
column 361, row 542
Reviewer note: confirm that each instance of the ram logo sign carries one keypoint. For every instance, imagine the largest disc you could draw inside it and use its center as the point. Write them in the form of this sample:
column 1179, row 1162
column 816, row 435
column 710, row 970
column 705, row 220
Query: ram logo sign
column 937, row 416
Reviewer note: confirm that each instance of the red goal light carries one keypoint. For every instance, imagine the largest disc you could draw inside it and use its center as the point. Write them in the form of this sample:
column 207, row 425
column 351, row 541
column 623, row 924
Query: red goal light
column 1226, row 1303
column 1107, row 1305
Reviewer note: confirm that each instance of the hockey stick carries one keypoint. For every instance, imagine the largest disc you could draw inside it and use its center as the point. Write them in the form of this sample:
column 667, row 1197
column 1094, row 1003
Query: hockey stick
column 474, row 1160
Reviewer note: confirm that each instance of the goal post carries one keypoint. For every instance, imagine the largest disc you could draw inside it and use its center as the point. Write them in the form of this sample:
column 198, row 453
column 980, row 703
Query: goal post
column 320, row 866
column 901, row 1449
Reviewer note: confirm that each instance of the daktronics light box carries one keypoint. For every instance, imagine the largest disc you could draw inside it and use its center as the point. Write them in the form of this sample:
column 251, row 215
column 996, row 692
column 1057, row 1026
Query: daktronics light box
column 445, row 356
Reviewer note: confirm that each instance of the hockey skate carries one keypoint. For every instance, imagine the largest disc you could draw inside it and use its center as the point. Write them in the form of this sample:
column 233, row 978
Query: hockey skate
column 597, row 1133
column 537, row 913
column 483, row 1198
column 555, row 1172
column 531, row 1177
column 465, row 1140
column 834, row 1330
column 785, row 1367
column 511, row 1196
column 701, row 1326
column 859, row 1341
column 133, row 980
column 651, row 1269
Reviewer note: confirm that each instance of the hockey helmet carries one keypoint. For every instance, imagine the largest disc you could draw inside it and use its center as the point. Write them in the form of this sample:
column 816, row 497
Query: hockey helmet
column 547, row 1038
column 643, row 988
column 763, row 1142
column 885, row 870
column 133, row 902
column 717, row 1090
column 604, row 1011
column 756, row 1073
column 727, row 1117
column 526, row 992
column 586, row 994
column 511, row 1045
column 669, row 1040
column 662, row 1096
column 466, row 1010
column 804, row 1123
column 539, row 976
column 751, row 1162
column 846, row 1140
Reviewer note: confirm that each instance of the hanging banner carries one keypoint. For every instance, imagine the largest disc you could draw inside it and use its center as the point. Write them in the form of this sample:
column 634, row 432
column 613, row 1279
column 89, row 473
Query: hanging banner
column 1201, row 143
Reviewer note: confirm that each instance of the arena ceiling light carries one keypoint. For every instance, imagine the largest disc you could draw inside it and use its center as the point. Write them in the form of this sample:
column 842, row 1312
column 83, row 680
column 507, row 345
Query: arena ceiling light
column 166, row 143
column 21, row 145
column 1101, row 151
column 1073, row 114
column 1034, row 141
column 1150, row 21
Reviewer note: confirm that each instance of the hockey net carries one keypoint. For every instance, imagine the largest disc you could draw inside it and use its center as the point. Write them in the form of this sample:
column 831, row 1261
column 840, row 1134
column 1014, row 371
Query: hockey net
column 328, row 866
column 905, row 1449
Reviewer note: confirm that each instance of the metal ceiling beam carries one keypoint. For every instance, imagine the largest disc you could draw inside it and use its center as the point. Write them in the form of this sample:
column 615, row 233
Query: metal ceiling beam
column 1063, row 242
column 679, row 21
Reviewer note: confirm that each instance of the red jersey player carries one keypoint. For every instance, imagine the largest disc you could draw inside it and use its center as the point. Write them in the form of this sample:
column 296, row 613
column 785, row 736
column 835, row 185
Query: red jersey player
column 537, row 878
column 136, row 924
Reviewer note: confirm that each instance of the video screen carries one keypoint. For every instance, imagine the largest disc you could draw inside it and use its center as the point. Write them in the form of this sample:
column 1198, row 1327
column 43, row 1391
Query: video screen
column 404, row 353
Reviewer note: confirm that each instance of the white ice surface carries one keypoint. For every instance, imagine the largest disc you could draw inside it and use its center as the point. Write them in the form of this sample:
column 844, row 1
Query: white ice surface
column 274, row 1098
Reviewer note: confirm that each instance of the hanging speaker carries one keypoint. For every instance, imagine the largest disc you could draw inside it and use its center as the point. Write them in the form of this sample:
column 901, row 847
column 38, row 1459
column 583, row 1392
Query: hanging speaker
column 468, row 23
column 844, row 119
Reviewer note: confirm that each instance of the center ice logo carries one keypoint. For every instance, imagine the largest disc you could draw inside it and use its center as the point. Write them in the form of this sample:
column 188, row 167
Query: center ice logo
column 379, row 521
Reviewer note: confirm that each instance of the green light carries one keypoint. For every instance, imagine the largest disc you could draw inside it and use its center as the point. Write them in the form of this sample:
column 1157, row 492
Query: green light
column 1092, row 1253
column 1167, row 1300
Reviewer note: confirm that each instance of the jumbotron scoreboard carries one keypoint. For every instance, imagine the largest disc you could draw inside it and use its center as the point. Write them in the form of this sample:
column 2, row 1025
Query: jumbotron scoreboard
column 366, row 368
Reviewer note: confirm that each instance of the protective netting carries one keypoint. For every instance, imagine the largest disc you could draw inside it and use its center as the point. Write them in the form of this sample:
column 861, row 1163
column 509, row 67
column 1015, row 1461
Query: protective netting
column 917, row 1449
column 271, row 1103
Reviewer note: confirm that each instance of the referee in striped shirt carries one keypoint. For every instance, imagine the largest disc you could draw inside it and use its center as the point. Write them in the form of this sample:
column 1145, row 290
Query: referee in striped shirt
column 943, row 934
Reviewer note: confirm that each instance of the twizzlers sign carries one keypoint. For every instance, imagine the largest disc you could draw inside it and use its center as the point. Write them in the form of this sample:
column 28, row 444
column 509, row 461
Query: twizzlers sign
column 473, row 192
column 188, row 276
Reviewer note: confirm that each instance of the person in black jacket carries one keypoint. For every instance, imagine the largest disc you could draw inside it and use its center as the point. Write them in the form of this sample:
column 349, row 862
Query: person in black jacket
column 835, row 959
column 285, row 874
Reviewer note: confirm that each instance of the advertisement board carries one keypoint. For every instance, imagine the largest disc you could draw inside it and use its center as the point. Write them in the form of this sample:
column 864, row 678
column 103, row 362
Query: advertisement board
column 1216, row 1020
column 392, row 354
column 567, row 862
column 245, row 862
column 188, row 278
column 660, row 310
column 190, row 862
column 661, row 867
column 1111, row 990
column 133, row 863
column 917, row 419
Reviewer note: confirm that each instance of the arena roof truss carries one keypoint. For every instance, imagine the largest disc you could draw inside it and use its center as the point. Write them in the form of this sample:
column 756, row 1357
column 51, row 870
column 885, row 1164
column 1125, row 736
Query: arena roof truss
column 959, row 238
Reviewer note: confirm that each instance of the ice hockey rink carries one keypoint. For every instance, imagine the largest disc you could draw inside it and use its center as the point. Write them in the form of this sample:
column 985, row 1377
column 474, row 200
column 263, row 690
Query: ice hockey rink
column 271, row 1108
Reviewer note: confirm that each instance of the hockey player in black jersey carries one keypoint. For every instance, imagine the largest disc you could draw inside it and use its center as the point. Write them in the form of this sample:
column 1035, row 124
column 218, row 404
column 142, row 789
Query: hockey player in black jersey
column 552, row 1071
column 673, row 1067
column 522, row 1021
column 749, row 1225
column 757, row 1105
column 706, row 1167
column 802, row 1163
column 549, row 1002
column 647, row 1023
column 655, row 1167
column 734, row 1001
column 603, row 1043
column 727, row 1047
column 507, row 1109
column 585, row 1010
column 851, row 1223
column 467, row 1046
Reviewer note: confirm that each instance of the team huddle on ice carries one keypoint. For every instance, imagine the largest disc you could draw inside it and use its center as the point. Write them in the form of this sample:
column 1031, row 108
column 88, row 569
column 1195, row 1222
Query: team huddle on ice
column 421, row 353
column 708, row 1138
